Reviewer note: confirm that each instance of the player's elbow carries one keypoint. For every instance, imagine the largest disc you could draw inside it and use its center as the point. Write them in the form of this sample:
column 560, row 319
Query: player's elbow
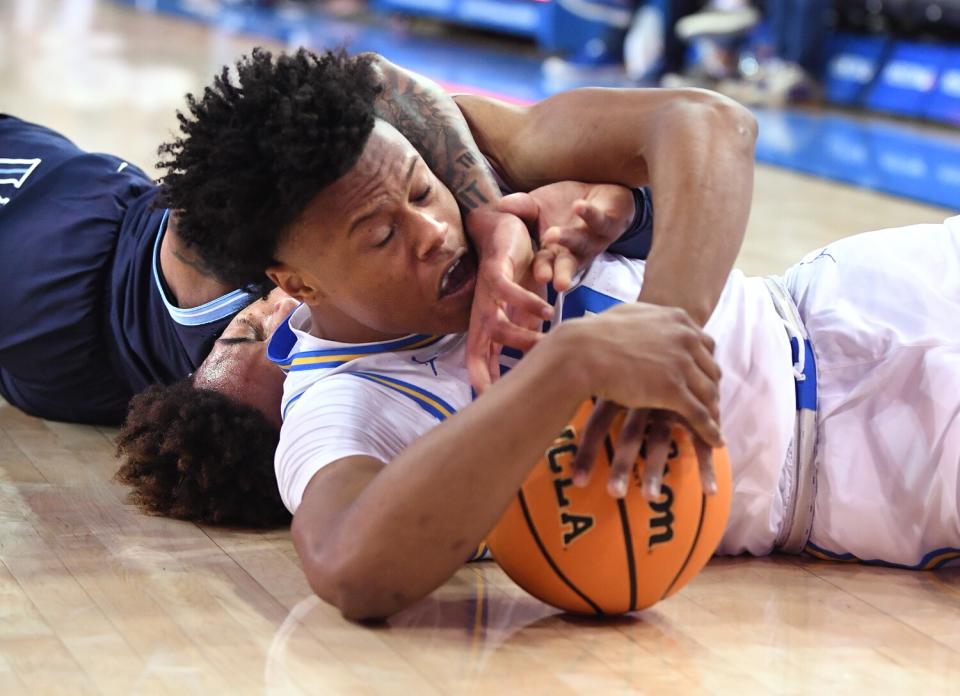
column 713, row 113
column 365, row 606
column 737, row 119
column 734, row 119
column 353, row 585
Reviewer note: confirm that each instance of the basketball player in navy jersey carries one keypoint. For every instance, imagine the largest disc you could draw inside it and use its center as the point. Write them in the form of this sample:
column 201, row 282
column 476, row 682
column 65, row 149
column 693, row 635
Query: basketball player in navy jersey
column 101, row 296
column 839, row 395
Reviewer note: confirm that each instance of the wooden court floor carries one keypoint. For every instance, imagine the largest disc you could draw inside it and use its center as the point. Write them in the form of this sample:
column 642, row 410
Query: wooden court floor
column 98, row 598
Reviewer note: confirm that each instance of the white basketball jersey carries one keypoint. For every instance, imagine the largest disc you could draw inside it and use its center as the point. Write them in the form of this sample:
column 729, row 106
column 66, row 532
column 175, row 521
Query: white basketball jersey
column 375, row 399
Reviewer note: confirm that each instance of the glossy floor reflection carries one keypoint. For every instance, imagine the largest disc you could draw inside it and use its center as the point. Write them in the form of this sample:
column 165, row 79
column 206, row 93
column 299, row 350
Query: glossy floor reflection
column 751, row 626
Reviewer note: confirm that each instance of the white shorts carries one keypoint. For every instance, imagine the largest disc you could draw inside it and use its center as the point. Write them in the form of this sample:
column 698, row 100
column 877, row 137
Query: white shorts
column 883, row 313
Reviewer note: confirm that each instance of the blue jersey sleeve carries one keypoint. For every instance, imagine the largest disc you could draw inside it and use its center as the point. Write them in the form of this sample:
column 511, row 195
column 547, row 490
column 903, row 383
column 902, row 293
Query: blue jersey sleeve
column 635, row 242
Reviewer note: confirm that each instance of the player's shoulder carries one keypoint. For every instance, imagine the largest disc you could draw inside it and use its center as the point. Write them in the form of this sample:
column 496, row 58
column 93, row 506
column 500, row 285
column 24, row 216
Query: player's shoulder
column 337, row 417
column 332, row 394
column 330, row 410
column 346, row 400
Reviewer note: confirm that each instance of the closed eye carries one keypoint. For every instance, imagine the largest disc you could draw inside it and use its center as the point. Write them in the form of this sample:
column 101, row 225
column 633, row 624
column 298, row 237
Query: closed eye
column 423, row 196
column 233, row 340
column 383, row 242
column 256, row 329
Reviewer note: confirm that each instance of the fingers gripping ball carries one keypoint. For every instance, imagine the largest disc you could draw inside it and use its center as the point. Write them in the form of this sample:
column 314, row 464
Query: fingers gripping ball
column 584, row 551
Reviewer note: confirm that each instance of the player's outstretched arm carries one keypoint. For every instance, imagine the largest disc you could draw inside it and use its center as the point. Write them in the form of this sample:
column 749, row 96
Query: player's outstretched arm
column 374, row 538
column 694, row 147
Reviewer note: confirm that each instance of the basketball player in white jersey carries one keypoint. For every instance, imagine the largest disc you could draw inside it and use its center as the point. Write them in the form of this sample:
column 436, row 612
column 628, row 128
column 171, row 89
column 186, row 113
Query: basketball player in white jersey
column 394, row 474
column 378, row 470
column 384, row 458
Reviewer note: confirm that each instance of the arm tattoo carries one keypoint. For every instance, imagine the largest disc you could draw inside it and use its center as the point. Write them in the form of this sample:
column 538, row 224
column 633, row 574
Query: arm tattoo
column 433, row 124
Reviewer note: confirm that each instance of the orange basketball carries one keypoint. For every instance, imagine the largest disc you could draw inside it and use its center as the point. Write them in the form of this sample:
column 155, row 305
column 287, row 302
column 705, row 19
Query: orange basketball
column 584, row 551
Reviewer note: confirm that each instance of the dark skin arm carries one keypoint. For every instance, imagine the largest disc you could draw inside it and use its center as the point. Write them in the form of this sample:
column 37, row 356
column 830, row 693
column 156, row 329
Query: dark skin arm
column 696, row 150
column 374, row 538
column 694, row 147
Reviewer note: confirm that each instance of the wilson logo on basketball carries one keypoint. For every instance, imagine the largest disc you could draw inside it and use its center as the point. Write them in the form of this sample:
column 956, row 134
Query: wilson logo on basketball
column 662, row 516
column 661, row 511
column 565, row 448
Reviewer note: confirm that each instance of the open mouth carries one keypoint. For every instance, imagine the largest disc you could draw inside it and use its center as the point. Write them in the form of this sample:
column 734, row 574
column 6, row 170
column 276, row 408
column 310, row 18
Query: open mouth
column 459, row 274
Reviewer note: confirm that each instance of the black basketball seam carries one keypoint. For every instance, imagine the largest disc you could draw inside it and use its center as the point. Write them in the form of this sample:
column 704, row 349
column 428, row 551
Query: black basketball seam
column 549, row 559
column 627, row 536
column 693, row 546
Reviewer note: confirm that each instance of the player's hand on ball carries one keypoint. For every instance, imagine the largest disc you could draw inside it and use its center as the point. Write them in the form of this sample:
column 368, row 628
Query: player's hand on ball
column 574, row 223
column 503, row 311
column 639, row 425
column 657, row 360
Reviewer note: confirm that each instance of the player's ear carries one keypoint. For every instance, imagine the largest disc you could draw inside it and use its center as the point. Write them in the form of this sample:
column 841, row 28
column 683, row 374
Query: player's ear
column 293, row 283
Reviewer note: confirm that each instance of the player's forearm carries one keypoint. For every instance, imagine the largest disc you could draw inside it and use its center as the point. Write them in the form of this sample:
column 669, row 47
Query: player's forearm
column 428, row 117
column 695, row 149
column 428, row 509
column 702, row 171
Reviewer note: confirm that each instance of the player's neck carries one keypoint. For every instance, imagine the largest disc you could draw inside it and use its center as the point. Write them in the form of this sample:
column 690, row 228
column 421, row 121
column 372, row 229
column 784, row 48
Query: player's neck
column 185, row 274
column 331, row 325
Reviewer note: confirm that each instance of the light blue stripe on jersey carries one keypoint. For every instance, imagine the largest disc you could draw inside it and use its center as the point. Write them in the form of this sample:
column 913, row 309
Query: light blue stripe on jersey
column 214, row 310
column 20, row 168
column 291, row 402
column 284, row 340
column 431, row 403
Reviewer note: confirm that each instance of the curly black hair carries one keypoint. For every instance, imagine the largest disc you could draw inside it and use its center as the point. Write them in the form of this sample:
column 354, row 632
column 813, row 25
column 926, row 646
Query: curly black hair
column 252, row 154
column 196, row 454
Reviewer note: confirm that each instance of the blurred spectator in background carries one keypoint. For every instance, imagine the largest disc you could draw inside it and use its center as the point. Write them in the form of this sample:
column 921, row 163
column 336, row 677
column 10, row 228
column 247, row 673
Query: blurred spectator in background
column 779, row 65
column 797, row 29
column 710, row 43
column 640, row 40
column 652, row 46
column 647, row 39
column 599, row 57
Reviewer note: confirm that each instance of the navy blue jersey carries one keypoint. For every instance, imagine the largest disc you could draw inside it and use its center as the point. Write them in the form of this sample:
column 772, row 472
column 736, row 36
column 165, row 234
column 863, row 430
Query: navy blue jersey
column 85, row 322
column 636, row 241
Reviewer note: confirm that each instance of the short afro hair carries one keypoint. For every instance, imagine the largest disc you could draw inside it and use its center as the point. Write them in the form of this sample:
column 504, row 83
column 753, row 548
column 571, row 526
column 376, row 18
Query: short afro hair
column 253, row 153
column 196, row 454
